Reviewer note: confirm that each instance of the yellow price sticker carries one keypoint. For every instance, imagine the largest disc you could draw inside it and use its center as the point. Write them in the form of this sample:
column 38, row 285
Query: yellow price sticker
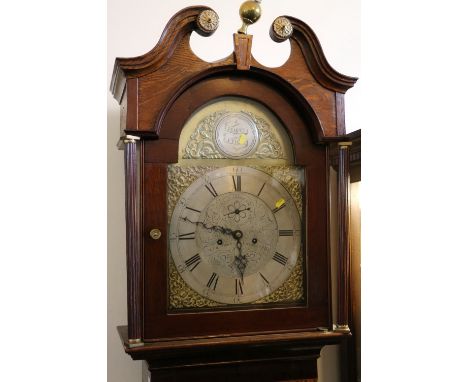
column 242, row 139
column 280, row 202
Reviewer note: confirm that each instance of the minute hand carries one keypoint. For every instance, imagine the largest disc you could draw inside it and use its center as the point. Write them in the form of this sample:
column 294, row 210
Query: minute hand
column 218, row 228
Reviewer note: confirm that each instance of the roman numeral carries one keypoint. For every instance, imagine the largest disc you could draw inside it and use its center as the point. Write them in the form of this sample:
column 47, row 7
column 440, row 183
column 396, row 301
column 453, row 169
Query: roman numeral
column 261, row 189
column 264, row 278
column 239, row 289
column 192, row 209
column 187, row 236
column 275, row 210
column 237, row 183
column 193, row 262
column 213, row 281
column 211, row 190
column 279, row 258
column 286, row 232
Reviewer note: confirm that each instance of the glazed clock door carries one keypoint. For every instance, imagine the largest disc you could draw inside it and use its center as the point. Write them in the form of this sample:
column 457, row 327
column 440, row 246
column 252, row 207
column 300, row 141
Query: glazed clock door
column 235, row 231
column 244, row 247
column 235, row 235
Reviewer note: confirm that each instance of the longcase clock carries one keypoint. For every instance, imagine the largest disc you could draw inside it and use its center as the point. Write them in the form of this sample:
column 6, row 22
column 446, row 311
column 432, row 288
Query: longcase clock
column 228, row 203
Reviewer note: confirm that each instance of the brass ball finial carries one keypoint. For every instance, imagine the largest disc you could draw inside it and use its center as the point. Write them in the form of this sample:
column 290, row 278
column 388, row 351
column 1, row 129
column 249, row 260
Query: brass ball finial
column 249, row 12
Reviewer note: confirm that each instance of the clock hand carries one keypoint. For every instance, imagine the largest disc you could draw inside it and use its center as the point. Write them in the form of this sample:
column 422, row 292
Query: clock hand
column 218, row 228
column 240, row 261
column 237, row 211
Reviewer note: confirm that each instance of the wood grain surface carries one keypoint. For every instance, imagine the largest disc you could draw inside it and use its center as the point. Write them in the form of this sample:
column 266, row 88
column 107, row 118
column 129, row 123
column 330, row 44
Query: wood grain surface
column 158, row 92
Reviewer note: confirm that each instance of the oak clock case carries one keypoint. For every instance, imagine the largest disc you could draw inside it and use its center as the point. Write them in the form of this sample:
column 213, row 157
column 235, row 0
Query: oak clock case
column 213, row 272
column 227, row 189
column 235, row 232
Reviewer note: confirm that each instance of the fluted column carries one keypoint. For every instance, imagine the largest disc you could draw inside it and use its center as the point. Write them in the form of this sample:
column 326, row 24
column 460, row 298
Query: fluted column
column 134, row 261
column 342, row 322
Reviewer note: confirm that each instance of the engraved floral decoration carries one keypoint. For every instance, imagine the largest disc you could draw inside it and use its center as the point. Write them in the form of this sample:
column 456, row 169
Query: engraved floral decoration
column 268, row 147
column 237, row 211
column 201, row 144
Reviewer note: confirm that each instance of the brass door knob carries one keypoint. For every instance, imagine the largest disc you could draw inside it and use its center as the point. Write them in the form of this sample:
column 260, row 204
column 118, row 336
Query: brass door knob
column 155, row 234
